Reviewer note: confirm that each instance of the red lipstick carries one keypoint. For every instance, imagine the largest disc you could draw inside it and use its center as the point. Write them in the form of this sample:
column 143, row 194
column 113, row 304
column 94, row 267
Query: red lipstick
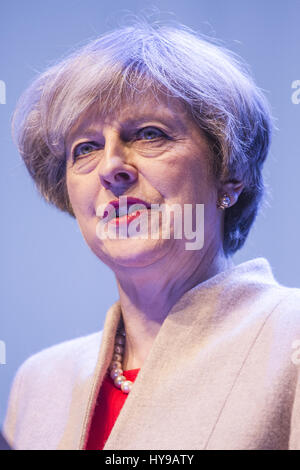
column 118, row 210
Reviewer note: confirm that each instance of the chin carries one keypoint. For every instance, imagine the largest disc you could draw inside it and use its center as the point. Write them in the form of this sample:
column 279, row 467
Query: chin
column 130, row 252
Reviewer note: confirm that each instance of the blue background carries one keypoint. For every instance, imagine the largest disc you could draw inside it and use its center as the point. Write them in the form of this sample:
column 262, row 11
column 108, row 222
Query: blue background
column 52, row 287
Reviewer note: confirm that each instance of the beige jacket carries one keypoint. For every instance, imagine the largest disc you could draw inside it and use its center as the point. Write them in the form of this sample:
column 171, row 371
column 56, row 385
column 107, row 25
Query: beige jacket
column 223, row 373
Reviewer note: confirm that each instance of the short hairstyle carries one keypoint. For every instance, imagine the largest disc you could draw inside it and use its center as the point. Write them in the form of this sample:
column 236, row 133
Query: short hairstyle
column 211, row 81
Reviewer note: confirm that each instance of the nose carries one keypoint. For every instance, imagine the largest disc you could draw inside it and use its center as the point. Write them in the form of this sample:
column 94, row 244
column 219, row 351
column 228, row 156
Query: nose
column 115, row 172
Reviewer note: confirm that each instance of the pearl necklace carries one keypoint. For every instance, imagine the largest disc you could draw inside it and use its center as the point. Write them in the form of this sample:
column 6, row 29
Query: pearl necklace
column 116, row 370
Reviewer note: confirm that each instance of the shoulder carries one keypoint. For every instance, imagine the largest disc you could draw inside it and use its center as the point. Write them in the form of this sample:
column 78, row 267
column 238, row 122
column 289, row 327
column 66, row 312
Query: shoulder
column 256, row 284
column 75, row 356
column 44, row 385
column 288, row 304
column 281, row 329
column 77, row 346
column 286, row 312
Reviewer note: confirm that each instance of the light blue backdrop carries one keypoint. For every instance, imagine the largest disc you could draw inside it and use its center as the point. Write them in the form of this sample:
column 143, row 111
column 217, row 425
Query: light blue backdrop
column 52, row 287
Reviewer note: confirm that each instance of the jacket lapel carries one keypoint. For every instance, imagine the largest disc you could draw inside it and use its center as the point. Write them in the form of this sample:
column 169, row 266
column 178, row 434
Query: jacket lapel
column 103, row 361
column 182, row 387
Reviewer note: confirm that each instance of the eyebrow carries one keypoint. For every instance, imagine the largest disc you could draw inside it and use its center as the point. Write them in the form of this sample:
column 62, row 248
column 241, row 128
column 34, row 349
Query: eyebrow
column 169, row 119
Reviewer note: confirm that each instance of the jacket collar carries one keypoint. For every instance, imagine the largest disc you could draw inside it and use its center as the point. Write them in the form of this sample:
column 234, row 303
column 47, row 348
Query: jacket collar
column 185, row 341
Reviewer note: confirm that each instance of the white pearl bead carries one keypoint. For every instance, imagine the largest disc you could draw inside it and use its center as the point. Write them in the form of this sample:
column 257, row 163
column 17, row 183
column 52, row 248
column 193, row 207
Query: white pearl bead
column 116, row 365
column 119, row 349
column 115, row 372
column 117, row 357
column 119, row 380
column 126, row 386
column 120, row 340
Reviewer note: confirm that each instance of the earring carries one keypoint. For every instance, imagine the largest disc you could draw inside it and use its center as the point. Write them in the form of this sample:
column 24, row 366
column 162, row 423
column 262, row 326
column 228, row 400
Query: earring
column 224, row 202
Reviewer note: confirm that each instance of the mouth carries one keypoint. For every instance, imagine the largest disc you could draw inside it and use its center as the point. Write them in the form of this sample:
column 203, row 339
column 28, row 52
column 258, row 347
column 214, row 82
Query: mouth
column 124, row 207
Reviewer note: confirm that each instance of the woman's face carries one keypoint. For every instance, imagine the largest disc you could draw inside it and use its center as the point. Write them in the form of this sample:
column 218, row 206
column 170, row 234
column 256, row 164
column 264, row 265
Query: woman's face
column 151, row 150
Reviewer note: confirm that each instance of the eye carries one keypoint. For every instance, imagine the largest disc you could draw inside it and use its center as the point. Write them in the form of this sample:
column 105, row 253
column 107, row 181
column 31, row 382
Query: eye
column 150, row 133
column 84, row 148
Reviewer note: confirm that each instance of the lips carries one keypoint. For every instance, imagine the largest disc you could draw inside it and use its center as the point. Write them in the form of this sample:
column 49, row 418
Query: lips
column 122, row 206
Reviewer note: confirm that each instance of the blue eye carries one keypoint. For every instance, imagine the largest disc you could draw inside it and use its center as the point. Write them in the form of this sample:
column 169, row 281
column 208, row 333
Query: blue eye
column 151, row 132
column 84, row 148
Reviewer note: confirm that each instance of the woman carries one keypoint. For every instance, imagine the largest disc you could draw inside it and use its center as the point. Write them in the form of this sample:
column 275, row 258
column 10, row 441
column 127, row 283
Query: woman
column 203, row 351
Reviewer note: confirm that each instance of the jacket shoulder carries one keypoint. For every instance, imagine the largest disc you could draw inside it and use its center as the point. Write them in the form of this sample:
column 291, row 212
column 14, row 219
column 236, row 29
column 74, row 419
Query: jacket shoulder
column 290, row 301
column 46, row 375
column 81, row 350
column 285, row 316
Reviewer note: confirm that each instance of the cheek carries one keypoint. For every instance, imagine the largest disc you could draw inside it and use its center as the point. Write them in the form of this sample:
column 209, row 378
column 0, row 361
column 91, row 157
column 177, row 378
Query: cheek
column 195, row 182
column 202, row 182
column 81, row 194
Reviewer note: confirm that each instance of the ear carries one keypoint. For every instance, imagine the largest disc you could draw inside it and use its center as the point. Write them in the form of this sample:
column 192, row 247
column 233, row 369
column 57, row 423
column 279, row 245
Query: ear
column 233, row 188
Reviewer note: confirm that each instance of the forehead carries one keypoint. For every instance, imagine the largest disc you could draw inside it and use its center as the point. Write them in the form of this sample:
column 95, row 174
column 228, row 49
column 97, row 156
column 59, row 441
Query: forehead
column 132, row 111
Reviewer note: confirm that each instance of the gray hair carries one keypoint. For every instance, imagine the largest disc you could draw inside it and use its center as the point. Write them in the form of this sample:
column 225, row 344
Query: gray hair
column 211, row 81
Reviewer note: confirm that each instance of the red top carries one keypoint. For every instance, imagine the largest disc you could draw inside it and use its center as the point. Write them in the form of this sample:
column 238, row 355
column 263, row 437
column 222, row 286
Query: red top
column 109, row 403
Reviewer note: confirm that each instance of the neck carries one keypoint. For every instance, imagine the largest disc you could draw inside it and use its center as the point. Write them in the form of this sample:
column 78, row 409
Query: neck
column 147, row 295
